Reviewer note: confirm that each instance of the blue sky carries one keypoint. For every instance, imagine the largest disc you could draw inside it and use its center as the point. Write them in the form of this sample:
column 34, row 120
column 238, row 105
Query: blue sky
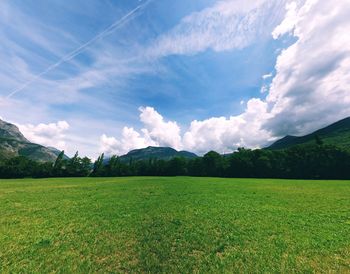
column 171, row 74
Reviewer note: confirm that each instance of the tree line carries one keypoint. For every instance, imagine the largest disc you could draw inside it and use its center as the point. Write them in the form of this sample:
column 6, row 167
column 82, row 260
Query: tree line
column 315, row 161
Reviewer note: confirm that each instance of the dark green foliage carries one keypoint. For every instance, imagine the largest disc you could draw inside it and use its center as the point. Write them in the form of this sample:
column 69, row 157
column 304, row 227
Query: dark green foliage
column 59, row 165
column 316, row 161
column 77, row 167
column 323, row 154
column 308, row 162
column 176, row 167
column 98, row 167
column 22, row 167
column 318, row 140
column 17, row 167
column 213, row 164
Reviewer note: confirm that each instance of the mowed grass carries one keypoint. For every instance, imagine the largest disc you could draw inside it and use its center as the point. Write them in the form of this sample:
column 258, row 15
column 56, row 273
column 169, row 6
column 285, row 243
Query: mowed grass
column 174, row 225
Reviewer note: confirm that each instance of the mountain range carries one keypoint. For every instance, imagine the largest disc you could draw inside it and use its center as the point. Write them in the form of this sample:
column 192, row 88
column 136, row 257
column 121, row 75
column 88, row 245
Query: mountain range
column 335, row 134
column 159, row 153
column 13, row 143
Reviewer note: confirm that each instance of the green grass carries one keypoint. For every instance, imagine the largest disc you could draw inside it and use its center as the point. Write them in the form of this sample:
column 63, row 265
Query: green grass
column 174, row 225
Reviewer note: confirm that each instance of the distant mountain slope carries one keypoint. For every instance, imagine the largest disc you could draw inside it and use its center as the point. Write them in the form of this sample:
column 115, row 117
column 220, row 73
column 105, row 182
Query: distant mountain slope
column 13, row 143
column 160, row 153
column 10, row 131
column 334, row 134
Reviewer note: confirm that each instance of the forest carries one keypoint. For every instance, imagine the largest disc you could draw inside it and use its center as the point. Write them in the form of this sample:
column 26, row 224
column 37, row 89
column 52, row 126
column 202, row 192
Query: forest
column 315, row 161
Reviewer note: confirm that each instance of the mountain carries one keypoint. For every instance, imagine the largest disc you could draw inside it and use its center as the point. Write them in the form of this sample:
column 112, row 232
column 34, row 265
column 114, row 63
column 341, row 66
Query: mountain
column 13, row 143
column 160, row 153
column 334, row 134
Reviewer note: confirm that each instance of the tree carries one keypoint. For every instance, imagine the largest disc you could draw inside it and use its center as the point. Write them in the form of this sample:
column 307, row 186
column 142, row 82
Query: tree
column 59, row 165
column 195, row 167
column 213, row 164
column 17, row 167
column 78, row 167
column 318, row 140
column 176, row 167
column 98, row 169
column 241, row 164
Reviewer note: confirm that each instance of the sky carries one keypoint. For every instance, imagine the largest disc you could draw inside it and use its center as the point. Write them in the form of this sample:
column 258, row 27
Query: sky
column 109, row 76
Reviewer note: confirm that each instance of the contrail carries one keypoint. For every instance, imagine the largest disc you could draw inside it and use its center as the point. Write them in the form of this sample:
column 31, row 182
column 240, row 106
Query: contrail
column 117, row 24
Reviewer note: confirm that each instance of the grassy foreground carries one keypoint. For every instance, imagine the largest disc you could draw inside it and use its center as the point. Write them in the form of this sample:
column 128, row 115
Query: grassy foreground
column 173, row 225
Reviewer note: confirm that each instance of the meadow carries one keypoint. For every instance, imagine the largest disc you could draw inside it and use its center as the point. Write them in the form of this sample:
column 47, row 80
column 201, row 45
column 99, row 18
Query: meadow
column 174, row 225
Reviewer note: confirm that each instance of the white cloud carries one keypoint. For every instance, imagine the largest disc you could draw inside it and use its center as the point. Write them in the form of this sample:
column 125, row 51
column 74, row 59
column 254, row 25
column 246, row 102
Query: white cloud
column 220, row 134
column 130, row 140
column 289, row 21
column 52, row 134
column 264, row 89
column 47, row 98
column 110, row 145
column 227, row 134
column 162, row 132
column 311, row 87
column 267, row 76
column 312, row 84
column 227, row 25
column 157, row 132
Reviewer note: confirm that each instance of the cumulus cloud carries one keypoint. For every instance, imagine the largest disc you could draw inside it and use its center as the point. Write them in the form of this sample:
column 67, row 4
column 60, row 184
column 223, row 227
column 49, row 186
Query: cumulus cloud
column 289, row 21
column 163, row 133
column 226, row 25
column 130, row 140
column 227, row 134
column 310, row 88
column 220, row 134
column 52, row 134
column 156, row 132
column 312, row 82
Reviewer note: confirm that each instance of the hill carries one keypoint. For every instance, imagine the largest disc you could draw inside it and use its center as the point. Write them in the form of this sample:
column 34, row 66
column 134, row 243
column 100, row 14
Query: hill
column 160, row 153
column 334, row 134
column 13, row 143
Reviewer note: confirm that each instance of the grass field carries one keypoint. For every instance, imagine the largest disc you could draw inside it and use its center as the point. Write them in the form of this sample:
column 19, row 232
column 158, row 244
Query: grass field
column 174, row 225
